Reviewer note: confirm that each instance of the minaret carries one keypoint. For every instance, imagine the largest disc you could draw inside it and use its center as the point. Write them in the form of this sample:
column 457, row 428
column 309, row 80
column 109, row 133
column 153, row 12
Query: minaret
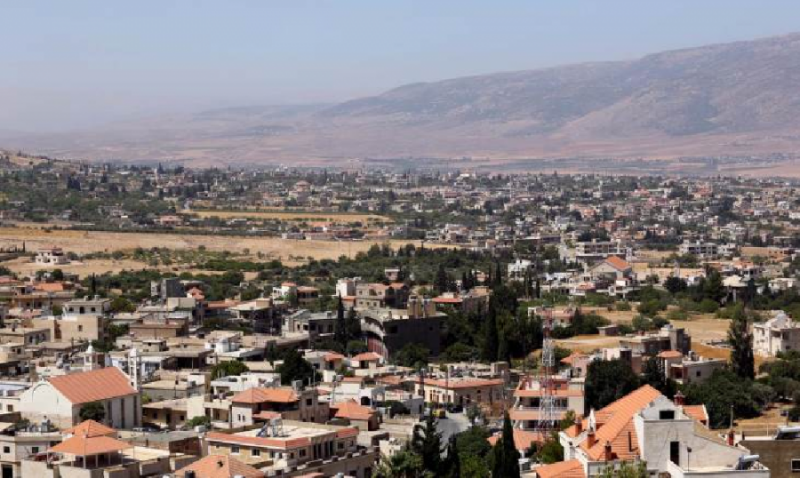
column 90, row 359
column 134, row 368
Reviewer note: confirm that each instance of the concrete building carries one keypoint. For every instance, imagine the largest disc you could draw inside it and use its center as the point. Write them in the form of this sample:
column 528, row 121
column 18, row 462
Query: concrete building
column 646, row 426
column 257, row 405
column 668, row 338
column 778, row 334
column 389, row 330
column 51, row 256
column 568, row 392
column 60, row 398
column 463, row 391
column 284, row 446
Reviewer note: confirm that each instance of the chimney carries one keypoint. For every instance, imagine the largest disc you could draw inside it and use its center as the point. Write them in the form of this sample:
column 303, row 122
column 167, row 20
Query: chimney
column 679, row 399
column 608, row 455
column 590, row 439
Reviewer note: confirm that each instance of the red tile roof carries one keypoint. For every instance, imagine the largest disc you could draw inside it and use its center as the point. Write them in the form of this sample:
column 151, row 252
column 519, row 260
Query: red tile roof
column 367, row 357
column 615, row 425
column 262, row 395
column 522, row 439
column 90, row 428
column 220, row 466
column 562, row 469
column 88, row 446
column 617, row 263
column 93, row 386
column 353, row 411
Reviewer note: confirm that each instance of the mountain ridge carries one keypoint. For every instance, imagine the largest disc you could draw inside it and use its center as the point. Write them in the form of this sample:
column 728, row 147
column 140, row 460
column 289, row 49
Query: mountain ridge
column 723, row 99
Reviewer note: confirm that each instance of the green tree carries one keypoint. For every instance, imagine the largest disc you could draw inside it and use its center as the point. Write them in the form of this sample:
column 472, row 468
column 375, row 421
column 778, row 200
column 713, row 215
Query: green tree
column 198, row 421
column 451, row 466
column 505, row 454
column 551, row 450
column 722, row 393
column 490, row 343
column 403, row 464
column 228, row 368
column 340, row 328
column 655, row 376
column 741, row 340
column 121, row 304
column 295, row 367
column 412, row 355
column 675, row 284
column 92, row 411
column 608, row 381
column 427, row 443
column 626, row 470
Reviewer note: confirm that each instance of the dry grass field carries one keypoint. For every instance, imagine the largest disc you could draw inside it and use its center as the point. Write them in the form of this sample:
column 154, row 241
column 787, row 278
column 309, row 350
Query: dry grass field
column 341, row 218
column 289, row 251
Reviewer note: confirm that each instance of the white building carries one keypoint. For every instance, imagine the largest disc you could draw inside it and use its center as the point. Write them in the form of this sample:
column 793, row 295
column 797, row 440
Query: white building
column 779, row 334
column 61, row 398
column 51, row 256
column 645, row 426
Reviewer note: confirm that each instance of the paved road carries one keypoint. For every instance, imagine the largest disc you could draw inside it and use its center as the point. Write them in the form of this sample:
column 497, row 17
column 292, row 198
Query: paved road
column 454, row 424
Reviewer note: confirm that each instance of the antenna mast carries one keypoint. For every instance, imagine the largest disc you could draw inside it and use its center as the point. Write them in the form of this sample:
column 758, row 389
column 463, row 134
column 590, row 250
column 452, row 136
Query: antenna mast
column 548, row 416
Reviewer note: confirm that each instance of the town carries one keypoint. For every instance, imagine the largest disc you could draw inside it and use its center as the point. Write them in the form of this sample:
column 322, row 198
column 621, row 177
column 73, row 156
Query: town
column 160, row 320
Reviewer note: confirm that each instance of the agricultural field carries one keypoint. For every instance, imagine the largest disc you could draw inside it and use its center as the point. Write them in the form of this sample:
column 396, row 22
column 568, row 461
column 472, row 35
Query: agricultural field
column 289, row 251
column 300, row 216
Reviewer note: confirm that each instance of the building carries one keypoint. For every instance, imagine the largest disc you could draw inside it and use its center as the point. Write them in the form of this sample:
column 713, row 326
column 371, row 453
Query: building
column 779, row 452
column 462, row 391
column 282, row 447
column 568, row 393
column 705, row 250
column 218, row 466
column 380, row 296
column 60, row 398
column 261, row 404
column 650, row 345
column 644, row 426
column 19, row 443
column 692, row 369
column 778, row 334
column 389, row 330
column 51, row 256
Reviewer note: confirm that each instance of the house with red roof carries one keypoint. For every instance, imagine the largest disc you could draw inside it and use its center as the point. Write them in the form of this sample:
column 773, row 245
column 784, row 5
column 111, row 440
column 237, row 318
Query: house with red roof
column 60, row 399
column 261, row 404
column 281, row 447
column 645, row 426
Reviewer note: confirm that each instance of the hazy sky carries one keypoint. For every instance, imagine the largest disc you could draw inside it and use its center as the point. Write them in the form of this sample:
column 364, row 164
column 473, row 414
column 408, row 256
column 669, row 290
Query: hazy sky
column 72, row 64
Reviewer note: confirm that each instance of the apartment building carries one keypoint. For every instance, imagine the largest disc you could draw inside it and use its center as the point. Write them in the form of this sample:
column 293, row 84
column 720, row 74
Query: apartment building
column 283, row 446
column 778, row 334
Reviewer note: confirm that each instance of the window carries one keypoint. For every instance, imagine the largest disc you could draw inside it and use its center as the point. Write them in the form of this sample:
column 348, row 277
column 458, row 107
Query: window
column 698, row 373
column 666, row 415
column 675, row 452
column 10, row 408
column 234, row 450
column 80, row 328
column 6, row 449
column 309, row 401
column 255, row 452
column 795, row 465
column 302, row 453
column 34, row 449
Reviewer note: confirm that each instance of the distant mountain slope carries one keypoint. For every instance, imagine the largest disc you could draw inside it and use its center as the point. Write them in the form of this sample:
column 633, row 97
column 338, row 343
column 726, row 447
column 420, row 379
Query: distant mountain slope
column 736, row 87
column 734, row 99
